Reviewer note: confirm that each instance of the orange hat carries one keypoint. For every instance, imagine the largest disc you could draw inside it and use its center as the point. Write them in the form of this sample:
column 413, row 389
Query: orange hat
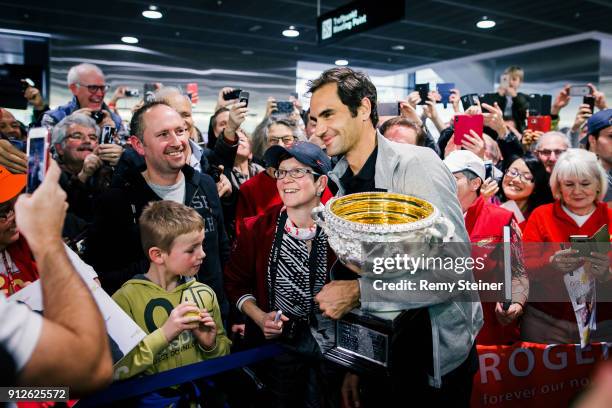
column 10, row 184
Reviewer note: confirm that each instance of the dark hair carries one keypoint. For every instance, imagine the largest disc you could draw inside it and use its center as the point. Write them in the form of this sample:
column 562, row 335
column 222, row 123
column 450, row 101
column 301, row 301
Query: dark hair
column 542, row 193
column 213, row 120
column 399, row 121
column 353, row 86
column 137, row 126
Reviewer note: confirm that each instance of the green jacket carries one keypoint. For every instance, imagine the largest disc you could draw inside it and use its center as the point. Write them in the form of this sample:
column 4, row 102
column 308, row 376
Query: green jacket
column 150, row 305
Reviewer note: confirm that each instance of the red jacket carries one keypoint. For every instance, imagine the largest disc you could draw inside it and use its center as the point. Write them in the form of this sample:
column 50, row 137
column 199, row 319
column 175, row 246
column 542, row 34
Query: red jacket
column 258, row 194
column 248, row 266
column 484, row 223
column 24, row 261
column 549, row 223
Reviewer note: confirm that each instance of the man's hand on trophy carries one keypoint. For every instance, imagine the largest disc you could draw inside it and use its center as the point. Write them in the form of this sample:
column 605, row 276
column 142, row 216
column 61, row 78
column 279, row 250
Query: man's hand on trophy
column 337, row 298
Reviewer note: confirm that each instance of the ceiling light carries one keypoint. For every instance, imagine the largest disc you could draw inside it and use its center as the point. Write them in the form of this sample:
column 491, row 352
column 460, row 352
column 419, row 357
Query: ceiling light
column 485, row 23
column 398, row 47
column 247, row 52
column 152, row 12
column 129, row 40
column 291, row 32
column 341, row 62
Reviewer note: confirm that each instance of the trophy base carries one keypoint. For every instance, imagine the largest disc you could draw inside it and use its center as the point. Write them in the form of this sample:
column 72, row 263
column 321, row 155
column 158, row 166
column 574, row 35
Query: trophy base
column 363, row 342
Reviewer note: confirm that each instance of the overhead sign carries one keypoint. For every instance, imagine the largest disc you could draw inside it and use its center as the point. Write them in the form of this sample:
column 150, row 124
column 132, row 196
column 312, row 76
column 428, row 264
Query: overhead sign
column 356, row 17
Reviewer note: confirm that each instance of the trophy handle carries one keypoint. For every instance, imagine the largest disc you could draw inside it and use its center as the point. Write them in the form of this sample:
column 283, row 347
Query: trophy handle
column 450, row 229
column 318, row 216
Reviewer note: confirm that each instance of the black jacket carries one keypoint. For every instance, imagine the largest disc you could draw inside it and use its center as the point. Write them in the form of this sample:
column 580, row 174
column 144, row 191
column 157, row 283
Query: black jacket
column 114, row 247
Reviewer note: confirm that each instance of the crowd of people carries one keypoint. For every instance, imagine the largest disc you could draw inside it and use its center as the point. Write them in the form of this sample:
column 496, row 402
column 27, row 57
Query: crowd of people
column 209, row 245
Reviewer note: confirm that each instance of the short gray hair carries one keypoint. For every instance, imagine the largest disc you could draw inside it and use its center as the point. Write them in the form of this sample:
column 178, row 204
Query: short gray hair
column 581, row 164
column 550, row 134
column 165, row 93
column 74, row 72
column 60, row 131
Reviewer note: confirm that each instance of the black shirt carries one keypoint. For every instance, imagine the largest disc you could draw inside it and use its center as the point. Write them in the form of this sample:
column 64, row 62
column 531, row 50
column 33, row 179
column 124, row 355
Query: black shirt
column 362, row 181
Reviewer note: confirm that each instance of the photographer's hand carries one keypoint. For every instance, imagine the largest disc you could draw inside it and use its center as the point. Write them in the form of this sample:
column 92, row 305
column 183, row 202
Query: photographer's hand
column 237, row 115
column 455, row 99
column 224, row 187
column 12, row 158
column 110, row 153
column 561, row 100
column 91, row 163
column 34, row 98
column 221, row 103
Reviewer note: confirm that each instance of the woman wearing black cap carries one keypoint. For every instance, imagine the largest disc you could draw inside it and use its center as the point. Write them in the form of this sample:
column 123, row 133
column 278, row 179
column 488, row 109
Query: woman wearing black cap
column 280, row 262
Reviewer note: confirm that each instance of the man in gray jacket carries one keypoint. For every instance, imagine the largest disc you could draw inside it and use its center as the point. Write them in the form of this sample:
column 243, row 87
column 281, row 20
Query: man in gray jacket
column 343, row 105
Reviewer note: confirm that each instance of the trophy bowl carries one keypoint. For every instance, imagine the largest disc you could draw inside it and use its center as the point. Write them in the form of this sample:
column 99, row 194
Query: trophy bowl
column 378, row 217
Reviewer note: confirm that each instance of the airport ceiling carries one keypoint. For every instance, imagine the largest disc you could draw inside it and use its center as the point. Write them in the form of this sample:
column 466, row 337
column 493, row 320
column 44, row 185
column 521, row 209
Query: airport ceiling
column 246, row 34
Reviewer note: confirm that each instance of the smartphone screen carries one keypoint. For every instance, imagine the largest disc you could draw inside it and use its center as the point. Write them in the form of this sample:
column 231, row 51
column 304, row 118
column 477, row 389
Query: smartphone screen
column 589, row 100
column 579, row 90
column 468, row 100
column 38, row 153
column 244, row 97
column 284, row 107
column 106, row 136
column 504, row 81
column 488, row 169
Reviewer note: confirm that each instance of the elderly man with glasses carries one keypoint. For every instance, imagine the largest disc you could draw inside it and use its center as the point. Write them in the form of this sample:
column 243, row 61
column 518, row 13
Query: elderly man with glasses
column 87, row 84
column 549, row 147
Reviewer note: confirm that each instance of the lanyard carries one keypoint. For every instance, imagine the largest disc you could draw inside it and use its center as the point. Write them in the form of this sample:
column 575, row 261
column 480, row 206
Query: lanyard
column 9, row 274
column 276, row 248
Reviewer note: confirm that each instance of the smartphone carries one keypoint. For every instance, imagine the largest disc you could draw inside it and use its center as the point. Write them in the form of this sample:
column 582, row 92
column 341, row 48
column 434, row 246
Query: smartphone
column 284, row 107
column 589, row 100
column 581, row 244
column 133, row 93
column 444, row 90
column 192, row 92
column 579, row 90
column 504, row 81
column 38, row 157
column 465, row 123
column 535, row 104
column 469, row 100
column 488, row 164
column 539, row 123
column 149, row 92
column 488, row 98
column 423, row 90
column 244, row 97
column 545, row 105
column 26, row 83
column 235, row 94
column 107, row 135
column 388, row 108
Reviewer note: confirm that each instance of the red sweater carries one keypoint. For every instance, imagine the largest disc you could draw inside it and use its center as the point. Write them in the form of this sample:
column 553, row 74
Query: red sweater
column 549, row 223
column 258, row 194
column 484, row 223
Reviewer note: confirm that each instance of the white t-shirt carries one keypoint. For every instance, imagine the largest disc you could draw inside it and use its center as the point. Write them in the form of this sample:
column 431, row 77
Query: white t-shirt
column 579, row 219
column 19, row 331
column 174, row 192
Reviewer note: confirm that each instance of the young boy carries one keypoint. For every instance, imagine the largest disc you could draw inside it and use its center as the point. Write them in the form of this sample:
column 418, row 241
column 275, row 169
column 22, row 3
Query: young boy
column 180, row 315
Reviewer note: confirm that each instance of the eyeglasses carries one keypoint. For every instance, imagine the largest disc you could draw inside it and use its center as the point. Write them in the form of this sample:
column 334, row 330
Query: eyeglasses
column 286, row 140
column 298, row 173
column 548, row 152
column 524, row 177
column 5, row 216
column 94, row 88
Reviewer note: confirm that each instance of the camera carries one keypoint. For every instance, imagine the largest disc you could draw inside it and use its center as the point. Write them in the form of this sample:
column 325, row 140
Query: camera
column 107, row 135
column 215, row 172
column 235, row 94
column 98, row 116
column 132, row 93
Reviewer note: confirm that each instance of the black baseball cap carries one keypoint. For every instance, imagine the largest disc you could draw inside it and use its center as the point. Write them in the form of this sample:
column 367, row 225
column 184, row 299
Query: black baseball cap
column 305, row 152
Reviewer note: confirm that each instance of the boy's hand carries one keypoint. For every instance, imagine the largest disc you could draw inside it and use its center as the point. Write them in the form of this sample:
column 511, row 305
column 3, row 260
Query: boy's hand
column 269, row 327
column 183, row 317
column 206, row 332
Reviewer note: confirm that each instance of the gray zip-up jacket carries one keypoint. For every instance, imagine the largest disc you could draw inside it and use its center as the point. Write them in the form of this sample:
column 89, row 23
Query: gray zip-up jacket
column 418, row 171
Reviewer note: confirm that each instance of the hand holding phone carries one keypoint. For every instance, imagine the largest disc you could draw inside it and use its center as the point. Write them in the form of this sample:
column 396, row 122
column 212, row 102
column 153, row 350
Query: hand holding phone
column 423, row 90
